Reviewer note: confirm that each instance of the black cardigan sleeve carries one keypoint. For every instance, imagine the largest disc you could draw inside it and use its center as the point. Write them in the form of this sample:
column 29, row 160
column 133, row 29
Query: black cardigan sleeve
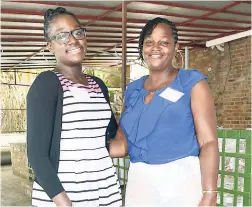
column 112, row 127
column 41, row 107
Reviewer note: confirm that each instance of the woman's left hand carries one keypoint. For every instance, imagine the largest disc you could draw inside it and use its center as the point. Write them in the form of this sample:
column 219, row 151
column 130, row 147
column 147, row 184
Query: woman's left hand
column 208, row 199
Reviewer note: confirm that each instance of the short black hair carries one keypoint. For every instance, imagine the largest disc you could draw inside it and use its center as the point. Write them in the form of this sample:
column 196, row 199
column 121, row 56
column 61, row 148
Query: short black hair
column 50, row 15
column 148, row 28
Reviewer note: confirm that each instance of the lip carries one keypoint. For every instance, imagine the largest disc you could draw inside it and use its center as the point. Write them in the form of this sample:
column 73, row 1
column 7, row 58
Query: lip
column 74, row 49
column 155, row 55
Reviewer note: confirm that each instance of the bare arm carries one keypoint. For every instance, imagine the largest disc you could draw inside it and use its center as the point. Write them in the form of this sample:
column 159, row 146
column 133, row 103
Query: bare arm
column 62, row 199
column 204, row 114
column 118, row 146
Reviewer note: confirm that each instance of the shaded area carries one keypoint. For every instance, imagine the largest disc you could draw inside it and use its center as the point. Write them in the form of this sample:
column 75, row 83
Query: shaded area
column 12, row 188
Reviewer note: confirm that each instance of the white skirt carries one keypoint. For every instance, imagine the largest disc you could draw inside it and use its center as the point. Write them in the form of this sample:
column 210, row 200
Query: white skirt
column 177, row 183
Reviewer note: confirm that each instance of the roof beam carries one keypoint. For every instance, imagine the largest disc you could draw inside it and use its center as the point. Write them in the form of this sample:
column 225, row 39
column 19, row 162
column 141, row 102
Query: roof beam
column 110, row 19
column 152, row 2
column 34, row 54
column 111, row 10
column 22, row 31
column 62, row 3
column 107, row 13
column 179, row 5
column 210, row 13
column 112, row 27
column 228, row 38
column 186, row 16
column 18, row 39
column 15, row 38
column 117, row 35
column 218, row 36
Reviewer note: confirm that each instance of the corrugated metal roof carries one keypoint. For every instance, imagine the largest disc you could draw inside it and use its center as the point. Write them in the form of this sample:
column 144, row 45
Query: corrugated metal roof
column 22, row 40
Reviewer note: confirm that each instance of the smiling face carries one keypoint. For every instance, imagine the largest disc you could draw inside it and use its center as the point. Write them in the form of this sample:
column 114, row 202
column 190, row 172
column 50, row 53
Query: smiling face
column 72, row 52
column 159, row 48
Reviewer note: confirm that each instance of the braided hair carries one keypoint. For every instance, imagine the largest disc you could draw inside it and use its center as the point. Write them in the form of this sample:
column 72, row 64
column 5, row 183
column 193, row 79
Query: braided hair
column 51, row 14
column 148, row 28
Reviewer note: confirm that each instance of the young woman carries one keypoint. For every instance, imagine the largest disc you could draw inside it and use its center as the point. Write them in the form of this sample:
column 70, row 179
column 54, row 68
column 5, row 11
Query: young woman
column 69, row 125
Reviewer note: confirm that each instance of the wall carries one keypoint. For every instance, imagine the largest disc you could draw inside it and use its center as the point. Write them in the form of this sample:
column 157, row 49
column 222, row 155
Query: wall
column 13, row 98
column 13, row 101
column 229, row 76
column 19, row 159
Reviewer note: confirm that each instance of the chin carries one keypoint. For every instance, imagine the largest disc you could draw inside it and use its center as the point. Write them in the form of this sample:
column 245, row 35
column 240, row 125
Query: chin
column 155, row 66
column 73, row 63
column 76, row 60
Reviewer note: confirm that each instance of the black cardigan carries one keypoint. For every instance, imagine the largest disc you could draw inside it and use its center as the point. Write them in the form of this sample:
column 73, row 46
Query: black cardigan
column 44, row 120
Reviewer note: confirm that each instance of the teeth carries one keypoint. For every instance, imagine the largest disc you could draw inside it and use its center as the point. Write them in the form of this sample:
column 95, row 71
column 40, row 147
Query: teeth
column 74, row 50
column 155, row 56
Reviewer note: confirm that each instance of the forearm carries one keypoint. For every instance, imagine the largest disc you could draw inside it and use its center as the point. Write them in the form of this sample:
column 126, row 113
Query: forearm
column 62, row 199
column 117, row 148
column 45, row 173
column 209, row 165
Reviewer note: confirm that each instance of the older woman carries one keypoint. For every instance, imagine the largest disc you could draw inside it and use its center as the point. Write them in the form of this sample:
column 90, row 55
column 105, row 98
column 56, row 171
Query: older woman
column 170, row 125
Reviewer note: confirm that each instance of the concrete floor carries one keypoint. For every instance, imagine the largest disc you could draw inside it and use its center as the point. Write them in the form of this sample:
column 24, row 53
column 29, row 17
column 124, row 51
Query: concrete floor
column 11, row 191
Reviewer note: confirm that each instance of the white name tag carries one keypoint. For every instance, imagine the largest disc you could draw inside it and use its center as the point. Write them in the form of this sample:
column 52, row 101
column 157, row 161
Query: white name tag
column 80, row 94
column 171, row 94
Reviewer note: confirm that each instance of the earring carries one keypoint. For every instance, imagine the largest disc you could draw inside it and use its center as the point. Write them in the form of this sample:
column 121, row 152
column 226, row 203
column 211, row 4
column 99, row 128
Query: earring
column 182, row 58
column 43, row 52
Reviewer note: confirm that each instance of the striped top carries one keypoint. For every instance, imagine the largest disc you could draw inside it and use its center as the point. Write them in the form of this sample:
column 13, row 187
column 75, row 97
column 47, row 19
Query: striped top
column 85, row 169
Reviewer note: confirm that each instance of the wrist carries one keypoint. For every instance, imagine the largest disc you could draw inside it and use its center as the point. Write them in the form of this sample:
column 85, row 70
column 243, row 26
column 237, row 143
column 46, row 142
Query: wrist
column 210, row 191
column 209, row 196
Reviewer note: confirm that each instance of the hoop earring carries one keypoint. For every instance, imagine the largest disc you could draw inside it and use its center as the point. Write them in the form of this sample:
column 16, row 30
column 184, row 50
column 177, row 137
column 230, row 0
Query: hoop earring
column 182, row 58
column 43, row 53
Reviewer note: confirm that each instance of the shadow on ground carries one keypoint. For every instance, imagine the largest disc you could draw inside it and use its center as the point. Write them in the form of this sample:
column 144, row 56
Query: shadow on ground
column 11, row 190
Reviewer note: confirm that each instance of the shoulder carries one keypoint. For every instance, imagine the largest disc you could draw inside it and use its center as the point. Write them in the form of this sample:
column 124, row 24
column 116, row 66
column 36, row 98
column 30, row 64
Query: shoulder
column 187, row 75
column 99, row 81
column 188, row 78
column 96, row 79
column 47, row 77
column 102, row 86
column 133, row 90
column 136, row 84
column 44, row 82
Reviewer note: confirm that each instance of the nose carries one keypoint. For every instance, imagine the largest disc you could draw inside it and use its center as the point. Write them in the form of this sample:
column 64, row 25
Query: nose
column 155, row 46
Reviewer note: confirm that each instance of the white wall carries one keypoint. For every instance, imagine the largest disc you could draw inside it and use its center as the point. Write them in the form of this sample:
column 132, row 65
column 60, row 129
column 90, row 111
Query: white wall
column 137, row 71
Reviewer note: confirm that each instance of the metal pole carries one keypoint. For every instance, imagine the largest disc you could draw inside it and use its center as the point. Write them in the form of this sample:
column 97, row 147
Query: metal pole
column 124, row 46
column 186, row 58
column 15, row 76
column 124, row 70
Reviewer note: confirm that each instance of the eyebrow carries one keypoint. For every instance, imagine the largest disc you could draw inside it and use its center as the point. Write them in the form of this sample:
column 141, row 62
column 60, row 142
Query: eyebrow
column 165, row 36
column 62, row 29
column 149, row 36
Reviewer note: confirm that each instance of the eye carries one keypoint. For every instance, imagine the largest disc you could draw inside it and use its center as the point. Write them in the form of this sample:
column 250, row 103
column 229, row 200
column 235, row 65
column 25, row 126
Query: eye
column 79, row 32
column 164, row 43
column 61, row 36
column 148, row 42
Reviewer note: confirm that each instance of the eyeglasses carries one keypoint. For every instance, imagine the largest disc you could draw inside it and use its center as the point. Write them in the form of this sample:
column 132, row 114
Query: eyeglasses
column 63, row 37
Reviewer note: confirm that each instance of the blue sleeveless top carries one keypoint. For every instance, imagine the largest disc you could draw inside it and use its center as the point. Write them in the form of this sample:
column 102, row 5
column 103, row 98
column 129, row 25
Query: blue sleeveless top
column 162, row 130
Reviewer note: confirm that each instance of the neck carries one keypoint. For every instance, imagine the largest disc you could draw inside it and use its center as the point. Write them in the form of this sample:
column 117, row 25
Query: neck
column 73, row 72
column 156, row 78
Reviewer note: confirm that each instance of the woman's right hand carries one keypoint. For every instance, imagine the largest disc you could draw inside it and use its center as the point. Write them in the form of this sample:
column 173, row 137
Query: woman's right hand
column 62, row 199
column 118, row 146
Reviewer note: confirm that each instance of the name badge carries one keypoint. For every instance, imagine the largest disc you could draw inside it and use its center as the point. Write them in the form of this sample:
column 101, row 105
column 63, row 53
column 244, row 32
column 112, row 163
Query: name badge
column 171, row 94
